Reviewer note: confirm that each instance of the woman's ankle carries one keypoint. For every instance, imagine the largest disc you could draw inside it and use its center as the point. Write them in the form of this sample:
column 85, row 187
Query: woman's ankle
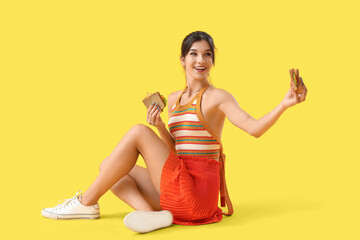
column 86, row 202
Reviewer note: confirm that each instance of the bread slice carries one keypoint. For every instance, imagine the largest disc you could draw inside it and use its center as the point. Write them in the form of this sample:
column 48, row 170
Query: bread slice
column 155, row 97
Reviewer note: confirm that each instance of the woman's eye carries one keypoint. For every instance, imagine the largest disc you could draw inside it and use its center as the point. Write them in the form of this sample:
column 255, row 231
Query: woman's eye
column 209, row 54
column 192, row 53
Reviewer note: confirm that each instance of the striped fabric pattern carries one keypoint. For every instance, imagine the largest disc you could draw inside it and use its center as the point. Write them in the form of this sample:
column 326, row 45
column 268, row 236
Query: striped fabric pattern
column 191, row 138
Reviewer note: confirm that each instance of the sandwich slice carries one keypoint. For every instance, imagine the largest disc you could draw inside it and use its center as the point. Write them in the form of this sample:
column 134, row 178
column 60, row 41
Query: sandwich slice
column 294, row 74
column 155, row 98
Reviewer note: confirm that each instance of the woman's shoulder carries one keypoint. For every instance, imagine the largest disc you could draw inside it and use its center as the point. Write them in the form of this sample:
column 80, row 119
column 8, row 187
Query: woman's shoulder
column 175, row 94
column 217, row 93
column 173, row 97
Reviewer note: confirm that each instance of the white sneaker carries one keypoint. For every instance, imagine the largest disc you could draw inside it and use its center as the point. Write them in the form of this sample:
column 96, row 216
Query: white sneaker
column 142, row 222
column 72, row 209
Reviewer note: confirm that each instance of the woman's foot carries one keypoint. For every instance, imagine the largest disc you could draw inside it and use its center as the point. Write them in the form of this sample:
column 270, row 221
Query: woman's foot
column 72, row 208
column 143, row 222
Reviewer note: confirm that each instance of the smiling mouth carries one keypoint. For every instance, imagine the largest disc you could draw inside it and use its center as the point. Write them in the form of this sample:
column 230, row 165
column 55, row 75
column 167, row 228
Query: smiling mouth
column 200, row 69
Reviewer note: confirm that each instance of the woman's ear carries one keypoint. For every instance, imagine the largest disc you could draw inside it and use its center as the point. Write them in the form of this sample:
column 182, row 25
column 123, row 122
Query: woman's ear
column 182, row 59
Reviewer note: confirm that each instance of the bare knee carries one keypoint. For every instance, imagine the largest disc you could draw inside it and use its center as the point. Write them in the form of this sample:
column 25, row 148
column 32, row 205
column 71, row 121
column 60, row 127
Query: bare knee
column 140, row 129
column 102, row 164
column 134, row 133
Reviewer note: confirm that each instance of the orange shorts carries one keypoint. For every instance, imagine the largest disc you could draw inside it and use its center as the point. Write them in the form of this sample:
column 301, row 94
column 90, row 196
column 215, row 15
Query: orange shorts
column 190, row 189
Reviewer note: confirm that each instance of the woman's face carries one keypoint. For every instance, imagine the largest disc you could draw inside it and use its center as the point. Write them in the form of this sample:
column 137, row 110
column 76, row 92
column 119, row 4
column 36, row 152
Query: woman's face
column 198, row 60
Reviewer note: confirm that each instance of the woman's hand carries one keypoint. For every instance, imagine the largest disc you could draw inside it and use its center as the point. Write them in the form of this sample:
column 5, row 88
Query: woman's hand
column 153, row 115
column 292, row 98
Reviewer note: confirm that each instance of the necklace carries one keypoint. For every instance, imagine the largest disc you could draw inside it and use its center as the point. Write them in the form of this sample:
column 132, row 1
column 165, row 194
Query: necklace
column 187, row 88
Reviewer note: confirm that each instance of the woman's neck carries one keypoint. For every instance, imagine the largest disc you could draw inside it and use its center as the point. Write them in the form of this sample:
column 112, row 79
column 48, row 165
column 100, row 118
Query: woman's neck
column 194, row 86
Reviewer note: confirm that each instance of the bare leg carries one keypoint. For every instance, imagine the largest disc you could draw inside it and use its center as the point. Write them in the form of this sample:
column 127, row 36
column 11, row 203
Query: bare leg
column 138, row 192
column 139, row 139
column 142, row 179
column 136, row 189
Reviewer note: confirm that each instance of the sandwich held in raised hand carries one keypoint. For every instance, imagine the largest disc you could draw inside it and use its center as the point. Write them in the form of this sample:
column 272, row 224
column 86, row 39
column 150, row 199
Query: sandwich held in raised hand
column 296, row 79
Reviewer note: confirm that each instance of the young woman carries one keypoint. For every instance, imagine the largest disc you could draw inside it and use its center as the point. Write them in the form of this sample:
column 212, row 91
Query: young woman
column 185, row 167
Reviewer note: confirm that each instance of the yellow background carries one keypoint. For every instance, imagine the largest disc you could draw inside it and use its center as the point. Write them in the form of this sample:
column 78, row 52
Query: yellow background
column 73, row 74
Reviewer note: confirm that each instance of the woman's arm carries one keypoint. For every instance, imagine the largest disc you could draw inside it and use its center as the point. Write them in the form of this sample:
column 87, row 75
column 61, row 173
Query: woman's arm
column 166, row 136
column 257, row 127
column 291, row 98
column 261, row 125
column 154, row 119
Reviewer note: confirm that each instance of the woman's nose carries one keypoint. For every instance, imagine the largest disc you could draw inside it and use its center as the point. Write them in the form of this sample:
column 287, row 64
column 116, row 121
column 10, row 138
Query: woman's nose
column 201, row 59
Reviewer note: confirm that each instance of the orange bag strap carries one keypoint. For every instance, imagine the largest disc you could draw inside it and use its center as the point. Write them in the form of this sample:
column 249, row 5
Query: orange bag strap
column 224, row 194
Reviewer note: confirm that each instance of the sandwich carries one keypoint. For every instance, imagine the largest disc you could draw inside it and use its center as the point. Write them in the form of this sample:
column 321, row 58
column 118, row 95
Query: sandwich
column 155, row 98
column 294, row 74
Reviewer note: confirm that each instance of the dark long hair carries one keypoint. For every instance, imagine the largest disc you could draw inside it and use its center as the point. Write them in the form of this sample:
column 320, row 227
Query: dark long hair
column 194, row 37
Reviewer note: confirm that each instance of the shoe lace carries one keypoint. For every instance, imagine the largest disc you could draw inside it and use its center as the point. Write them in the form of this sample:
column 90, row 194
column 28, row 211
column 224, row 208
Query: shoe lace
column 70, row 201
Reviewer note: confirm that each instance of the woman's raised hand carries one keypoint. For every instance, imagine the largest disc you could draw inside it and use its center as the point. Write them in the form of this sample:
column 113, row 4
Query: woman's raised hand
column 292, row 97
column 153, row 115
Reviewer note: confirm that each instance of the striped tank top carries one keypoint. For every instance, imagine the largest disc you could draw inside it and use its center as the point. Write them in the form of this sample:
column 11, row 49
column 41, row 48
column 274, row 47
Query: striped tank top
column 190, row 131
